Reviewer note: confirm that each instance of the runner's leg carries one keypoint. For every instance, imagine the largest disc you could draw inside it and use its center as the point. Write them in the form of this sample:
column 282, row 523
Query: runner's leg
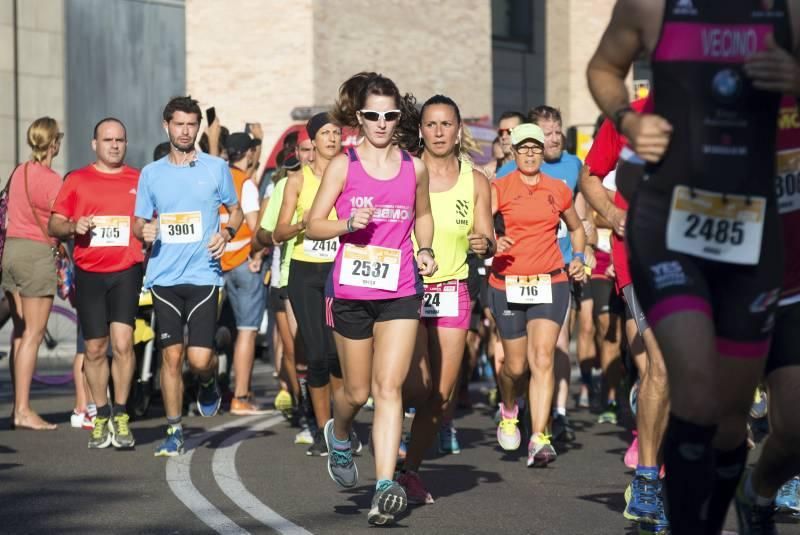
column 394, row 347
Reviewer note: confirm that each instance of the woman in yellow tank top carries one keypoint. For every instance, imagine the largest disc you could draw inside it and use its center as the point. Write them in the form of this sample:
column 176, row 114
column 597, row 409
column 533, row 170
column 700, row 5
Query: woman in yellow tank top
column 461, row 207
column 308, row 272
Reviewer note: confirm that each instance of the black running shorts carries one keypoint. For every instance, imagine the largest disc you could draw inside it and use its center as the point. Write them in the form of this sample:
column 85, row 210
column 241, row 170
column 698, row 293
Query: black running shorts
column 740, row 299
column 186, row 305
column 105, row 298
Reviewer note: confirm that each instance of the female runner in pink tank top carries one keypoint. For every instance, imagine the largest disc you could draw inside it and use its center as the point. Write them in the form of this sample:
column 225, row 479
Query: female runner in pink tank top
column 374, row 292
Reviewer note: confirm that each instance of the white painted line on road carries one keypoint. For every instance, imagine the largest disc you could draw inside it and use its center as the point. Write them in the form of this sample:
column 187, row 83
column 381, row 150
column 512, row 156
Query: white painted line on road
column 179, row 479
column 223, row 466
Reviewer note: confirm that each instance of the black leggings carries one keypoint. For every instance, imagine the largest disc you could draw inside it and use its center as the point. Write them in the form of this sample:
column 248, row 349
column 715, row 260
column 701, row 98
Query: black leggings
column 307, row 295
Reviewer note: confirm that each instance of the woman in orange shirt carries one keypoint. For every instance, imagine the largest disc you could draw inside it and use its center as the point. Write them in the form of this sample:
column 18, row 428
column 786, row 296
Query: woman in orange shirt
column 529, row 289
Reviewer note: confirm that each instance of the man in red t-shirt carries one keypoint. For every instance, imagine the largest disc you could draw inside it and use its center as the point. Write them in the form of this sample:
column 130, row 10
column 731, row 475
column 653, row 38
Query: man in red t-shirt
column 95, row 208
column 653, row 398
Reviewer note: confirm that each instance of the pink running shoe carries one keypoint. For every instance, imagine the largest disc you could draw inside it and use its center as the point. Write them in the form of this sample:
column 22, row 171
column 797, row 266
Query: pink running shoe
column 632, row 455
column 415, row 489
column 508, row 434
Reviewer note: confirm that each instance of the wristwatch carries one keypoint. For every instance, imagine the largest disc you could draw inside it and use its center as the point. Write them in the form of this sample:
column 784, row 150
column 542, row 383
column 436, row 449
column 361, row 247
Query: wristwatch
column 231, row 232
column 428, row 250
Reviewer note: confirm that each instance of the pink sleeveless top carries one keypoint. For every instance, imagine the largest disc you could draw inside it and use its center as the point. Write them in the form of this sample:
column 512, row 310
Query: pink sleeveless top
column 394, row 202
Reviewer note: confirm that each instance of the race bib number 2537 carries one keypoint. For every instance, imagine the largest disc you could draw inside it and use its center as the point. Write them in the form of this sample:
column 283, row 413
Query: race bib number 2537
column 370, row 267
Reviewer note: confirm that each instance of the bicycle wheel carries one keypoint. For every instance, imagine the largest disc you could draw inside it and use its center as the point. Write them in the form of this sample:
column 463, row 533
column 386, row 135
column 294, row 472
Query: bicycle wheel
column 59, row 342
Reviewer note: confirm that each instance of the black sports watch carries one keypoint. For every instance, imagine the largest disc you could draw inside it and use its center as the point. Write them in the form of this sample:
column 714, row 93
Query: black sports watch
column 231, row 232
column 427, row 250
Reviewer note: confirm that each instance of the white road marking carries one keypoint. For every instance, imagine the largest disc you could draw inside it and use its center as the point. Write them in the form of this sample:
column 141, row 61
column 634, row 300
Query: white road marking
column 179, row 479
column 227, row 477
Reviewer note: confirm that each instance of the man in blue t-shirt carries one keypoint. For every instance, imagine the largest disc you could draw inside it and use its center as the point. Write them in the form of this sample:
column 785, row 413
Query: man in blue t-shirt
column 567, row 167
column 177, row 213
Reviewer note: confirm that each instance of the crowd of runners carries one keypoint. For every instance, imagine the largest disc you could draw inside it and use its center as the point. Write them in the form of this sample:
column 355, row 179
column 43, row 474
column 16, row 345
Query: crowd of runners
column 392, row 267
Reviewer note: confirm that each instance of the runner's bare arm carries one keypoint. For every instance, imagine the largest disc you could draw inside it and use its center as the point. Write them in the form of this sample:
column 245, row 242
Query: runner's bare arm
column 633, row 29
column 423, row 224
column 319, row 227
column 145, row 230
column 618, row 48
column 775, row 69
column 235, row 215
column 482, row 237
column 595, row 194
column 503, row 242
column 578, row 239
column 61, row 227
column 285, row 230
column 260, row 241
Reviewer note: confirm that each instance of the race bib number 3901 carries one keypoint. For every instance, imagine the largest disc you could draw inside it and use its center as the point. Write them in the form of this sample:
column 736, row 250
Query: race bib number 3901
column 370, row 267
column 323, row 250
column 532, row 290
column 787, row 181
column 111, row 231
column 440, row 300
column 707, row 225
column 182, row 227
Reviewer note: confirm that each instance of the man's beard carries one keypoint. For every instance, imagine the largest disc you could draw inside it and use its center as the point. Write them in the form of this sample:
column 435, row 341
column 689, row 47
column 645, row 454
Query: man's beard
column 185, row 148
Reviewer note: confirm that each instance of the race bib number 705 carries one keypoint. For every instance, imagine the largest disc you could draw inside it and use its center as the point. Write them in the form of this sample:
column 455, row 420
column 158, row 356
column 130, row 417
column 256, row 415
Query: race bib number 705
column 110, row 231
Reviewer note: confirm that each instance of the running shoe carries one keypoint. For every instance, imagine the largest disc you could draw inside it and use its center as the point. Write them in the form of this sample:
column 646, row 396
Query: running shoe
column 583, row 400
column 81, row 420
column 759, row 407
column 633, row 398
column 788, row 499
column 355, row 442
column 304, row 437
column 318, row 448
column 562, row 429
column 448, row 440
column 245, row 407
column 492, row 397
column 102, row 434
column 753, row 519
column 122, row 437
column 341, row 466
column 370, row 404
column 644, row 501
column 609, row 416
column 410, row 412
column 540, row 451
column 389, row 500
column 508, row 435
column 208, row 398
column 172, row 445
column 415, row 488
column 631, row 458
column 402, row 450
column 284, row 404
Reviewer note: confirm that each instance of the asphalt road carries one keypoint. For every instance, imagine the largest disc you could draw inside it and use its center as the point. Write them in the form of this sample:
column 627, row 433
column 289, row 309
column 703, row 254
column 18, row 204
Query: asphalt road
column 244, row 474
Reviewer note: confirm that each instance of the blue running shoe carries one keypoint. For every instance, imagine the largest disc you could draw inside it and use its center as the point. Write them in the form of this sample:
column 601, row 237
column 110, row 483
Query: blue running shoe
column 788, row 499
column 448, row 440
column 208, row 398
column 644, row 501
column 172, row 445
